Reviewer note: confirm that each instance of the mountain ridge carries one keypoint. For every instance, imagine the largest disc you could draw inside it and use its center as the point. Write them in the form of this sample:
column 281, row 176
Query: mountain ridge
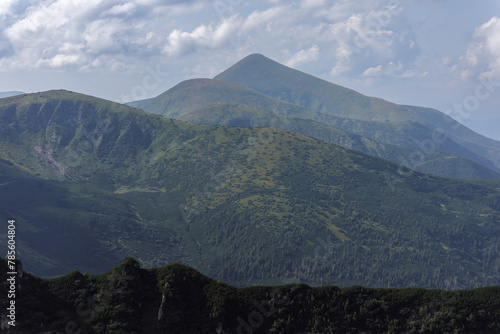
column 347, row 103
column 245, row 205
column 178, row 299
column 269, row 77
column 194, row 100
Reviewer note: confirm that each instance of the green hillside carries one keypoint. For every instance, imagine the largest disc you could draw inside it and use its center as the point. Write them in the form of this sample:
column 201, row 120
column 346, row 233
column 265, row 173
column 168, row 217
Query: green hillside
column 271, row 78
column 191, row 95
column 178, row 299
column 102, row 181
column 215, row 102
column 435, row 163
column 485, row 147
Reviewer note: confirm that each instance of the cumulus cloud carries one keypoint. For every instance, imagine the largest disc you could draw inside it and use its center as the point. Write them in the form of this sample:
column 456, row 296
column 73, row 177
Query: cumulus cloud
column 367, row 37
column 121, row 9
column 395, row 70
column 85, row 33
column 181, row 43
column 373, row 71
column 484, row 53
column 337, row 39
column 63, row 60
column 5, row 6
column 312, row 3
column 304, row 56
column 260, row 18
column 259, row 23
column 101, row 34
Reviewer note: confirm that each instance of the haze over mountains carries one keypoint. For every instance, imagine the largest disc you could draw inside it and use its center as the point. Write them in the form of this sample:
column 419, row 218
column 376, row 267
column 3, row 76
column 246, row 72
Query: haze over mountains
column 419, row 138
column 7, row 94
column 246, row 205
column 158, row 175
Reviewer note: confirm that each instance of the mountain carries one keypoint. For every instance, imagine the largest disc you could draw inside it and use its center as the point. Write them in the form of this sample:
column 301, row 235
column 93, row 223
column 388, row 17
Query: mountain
column 215, row 102
column 8, row 94
column 488, row 127
column 274, row 79
column 177, row 299
column 271, row 78
column 102, row 181
column 481, row 145
column 191, row 95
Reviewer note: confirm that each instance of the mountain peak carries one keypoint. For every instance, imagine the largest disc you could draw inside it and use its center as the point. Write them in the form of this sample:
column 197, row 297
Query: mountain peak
column 254, row 65
column 257, row 57
column 282, row 82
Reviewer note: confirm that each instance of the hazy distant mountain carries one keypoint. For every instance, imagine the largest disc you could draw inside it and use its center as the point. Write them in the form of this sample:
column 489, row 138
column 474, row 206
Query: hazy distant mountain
column 488, row 127
column 216, row 102
column 8, row 94
column 90, row 181
column 402, row 134
column 413, row 123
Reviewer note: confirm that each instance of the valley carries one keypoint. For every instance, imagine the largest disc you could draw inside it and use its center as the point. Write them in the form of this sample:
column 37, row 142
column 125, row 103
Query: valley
column 245, row 205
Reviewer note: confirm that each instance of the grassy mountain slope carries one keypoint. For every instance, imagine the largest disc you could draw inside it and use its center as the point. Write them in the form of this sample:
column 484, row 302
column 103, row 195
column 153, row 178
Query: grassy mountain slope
column 271, row 78
column 178, row 299
column 483, row 146
column 191, row 95
column 245, row 205
column 435, row 163
column 215, row 102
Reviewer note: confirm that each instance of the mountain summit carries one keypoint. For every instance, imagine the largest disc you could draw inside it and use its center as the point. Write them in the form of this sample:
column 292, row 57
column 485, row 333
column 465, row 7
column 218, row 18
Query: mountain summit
column 274, row 79
column 258, row 91
column 406, row 126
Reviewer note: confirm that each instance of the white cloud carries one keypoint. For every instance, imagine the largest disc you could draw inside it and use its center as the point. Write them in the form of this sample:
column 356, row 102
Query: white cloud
column 373, row 71
column 61, row 34
column 363, row 42
column 260, row 18
column 394, row 70
column 312, row 3
column 484, row 53
column 181, row 43
column 55, row 30
column 5, row 7
column 349, row 42
column 63, row 60
column 122, row 9
column 104, row 36
column 304, row 56
column 342, row 9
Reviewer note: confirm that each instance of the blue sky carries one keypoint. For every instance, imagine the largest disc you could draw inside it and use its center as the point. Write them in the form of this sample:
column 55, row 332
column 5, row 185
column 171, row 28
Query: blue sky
column 434, row 53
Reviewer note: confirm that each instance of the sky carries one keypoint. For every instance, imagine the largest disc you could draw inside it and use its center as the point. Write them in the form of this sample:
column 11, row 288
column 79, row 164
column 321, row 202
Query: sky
column 442, row 54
